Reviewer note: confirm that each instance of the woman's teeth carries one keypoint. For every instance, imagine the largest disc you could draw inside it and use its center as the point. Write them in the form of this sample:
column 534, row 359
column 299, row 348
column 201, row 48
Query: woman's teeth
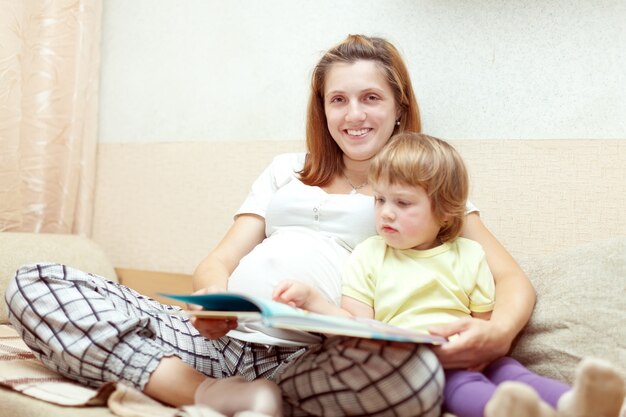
column 358, row 132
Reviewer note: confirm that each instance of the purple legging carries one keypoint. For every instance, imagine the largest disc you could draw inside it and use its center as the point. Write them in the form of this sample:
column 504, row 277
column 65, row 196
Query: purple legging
column 467, row 392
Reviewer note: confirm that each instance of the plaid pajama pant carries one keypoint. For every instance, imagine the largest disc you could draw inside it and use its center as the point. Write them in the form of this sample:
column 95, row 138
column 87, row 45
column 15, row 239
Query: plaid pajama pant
column 92, row 330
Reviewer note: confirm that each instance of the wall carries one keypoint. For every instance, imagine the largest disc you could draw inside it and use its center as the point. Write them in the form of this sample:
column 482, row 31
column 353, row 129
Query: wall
column 209, row 70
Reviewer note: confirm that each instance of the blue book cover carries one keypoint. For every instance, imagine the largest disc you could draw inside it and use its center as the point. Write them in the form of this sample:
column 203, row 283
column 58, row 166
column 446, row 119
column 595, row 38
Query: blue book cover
column 282, row 316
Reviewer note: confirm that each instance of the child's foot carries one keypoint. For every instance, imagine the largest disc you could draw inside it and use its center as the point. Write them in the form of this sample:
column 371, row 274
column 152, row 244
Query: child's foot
column 514, row 399
column 232, row 395
column 598, row 391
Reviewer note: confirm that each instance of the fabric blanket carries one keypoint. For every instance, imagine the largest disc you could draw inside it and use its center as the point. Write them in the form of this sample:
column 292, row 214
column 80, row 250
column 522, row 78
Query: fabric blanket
column 22, row 372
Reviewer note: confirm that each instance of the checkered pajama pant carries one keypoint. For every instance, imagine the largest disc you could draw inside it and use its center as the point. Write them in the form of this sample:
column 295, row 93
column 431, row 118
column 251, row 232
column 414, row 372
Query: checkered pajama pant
column 93, row 331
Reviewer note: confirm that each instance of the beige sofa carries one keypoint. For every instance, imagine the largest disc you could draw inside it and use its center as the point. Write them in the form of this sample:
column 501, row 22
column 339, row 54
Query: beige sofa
column 558, row 205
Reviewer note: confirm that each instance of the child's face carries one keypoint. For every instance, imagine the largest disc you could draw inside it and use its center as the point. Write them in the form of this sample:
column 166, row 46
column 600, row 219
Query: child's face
column 404, row 217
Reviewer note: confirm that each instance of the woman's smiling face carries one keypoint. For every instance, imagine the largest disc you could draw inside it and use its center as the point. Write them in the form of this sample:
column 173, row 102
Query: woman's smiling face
column 360, row 108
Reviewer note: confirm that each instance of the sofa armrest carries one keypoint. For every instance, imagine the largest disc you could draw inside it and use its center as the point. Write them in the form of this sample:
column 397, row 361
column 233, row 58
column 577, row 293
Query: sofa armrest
column 17, row 249
column 150, row 283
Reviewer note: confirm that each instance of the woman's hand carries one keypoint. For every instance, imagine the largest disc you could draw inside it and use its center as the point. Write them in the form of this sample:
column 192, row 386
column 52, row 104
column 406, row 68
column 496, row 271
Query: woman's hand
column 211, row 328
column 477, row 343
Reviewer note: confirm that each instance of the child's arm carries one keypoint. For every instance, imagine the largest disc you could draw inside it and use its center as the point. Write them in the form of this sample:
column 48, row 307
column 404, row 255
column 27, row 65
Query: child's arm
column 357, row 308
column 483, row 316
column 299, row 294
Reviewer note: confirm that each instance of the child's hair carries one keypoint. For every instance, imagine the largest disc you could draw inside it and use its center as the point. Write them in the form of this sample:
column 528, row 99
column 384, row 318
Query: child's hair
column 415, row 159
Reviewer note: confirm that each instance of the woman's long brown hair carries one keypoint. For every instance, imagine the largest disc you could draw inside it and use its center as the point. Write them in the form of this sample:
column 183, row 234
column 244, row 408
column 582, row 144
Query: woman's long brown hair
column 324, row 159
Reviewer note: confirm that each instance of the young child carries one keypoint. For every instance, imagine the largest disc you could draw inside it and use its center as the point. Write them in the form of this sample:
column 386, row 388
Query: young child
column 418, row 273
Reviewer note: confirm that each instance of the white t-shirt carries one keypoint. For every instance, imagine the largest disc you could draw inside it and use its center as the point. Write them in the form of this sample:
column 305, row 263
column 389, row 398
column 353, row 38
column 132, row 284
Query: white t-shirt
column 310, row 234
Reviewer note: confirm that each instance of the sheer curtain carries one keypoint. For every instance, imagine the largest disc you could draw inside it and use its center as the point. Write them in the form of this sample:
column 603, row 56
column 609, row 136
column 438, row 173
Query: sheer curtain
column 49, row 68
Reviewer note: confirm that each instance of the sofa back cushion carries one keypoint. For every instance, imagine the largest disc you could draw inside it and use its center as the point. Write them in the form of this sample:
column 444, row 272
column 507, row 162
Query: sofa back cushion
column 163, row 206
column 17, row 249
column 580, row 310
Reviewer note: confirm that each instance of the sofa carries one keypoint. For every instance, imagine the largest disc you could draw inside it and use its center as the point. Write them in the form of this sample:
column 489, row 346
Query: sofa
column 557, row 205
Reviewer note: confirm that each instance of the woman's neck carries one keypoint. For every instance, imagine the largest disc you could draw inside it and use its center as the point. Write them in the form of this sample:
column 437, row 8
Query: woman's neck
column 356, row 171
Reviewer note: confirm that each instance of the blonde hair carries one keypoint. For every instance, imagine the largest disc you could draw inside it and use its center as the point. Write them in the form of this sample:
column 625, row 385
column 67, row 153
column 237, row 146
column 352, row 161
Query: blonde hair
column 415, row 159
column 324, row 159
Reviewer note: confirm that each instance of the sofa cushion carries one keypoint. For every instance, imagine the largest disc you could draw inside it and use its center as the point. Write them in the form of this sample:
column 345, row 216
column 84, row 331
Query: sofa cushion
column 580, row 310
column 17, row 249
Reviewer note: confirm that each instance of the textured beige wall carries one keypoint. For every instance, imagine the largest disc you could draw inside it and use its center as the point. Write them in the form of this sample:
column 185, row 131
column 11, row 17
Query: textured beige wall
column 163, row 206
column 214, row 70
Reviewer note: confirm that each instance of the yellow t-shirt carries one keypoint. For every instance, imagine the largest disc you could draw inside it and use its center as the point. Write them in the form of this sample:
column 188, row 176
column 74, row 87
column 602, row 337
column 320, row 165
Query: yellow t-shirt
column 419, row 288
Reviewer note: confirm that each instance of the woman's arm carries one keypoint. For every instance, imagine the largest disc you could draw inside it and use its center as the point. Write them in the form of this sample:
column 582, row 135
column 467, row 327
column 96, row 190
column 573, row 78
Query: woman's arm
column 213, row 272
column 479, row 341
column 246, row 232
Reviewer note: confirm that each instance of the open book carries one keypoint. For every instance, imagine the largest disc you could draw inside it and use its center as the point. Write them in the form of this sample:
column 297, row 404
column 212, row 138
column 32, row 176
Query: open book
column 281, row 316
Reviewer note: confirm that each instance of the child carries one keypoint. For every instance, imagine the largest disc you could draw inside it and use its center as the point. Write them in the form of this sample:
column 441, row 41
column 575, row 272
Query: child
column 418, row 273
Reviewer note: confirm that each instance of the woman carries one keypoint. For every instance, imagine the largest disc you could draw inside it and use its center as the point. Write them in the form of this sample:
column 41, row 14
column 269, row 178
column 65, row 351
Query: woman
column 301, row 219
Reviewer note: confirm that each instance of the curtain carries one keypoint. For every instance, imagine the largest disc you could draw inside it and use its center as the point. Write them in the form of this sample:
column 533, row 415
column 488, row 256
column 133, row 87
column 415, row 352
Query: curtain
column 49, row 69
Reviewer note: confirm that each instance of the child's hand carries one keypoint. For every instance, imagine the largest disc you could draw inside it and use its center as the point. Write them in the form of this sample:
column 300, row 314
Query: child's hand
column 293, row 293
